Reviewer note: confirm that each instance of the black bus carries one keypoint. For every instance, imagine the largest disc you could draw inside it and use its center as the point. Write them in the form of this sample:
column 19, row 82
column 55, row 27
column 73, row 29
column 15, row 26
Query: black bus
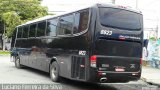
column 101, row 43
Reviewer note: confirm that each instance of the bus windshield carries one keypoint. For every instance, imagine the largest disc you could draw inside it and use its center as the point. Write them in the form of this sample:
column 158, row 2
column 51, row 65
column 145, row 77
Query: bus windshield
column 119, row 18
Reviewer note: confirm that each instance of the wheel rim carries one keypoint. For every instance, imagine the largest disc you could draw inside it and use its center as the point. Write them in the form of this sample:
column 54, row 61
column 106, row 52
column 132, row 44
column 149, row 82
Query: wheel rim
column 54, row 72
column 17, row 62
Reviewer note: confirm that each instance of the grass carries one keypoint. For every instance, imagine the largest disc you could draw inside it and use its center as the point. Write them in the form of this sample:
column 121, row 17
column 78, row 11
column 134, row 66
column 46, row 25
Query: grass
column 4, row 52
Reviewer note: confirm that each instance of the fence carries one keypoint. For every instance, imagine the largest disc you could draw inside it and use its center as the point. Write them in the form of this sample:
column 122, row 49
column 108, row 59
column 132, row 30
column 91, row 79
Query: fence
column 151, row 55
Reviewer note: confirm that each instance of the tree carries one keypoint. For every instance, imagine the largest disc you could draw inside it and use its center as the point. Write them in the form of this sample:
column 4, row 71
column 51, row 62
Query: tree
column 15, row 12
column 11, row 20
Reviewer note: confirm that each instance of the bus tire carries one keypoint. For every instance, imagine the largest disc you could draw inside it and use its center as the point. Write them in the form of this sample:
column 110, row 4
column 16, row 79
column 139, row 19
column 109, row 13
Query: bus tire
column 17, row 62
column 54, row 72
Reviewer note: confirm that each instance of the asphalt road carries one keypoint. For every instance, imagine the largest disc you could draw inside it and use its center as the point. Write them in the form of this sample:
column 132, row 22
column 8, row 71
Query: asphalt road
column 9, row 74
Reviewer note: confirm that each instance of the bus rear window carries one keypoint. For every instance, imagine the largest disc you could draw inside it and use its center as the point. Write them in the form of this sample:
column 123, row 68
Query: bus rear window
column 121, row 19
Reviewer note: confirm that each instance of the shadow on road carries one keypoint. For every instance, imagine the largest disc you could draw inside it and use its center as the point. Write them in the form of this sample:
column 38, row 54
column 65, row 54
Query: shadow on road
column 84, row 85
column 71, row 84
column 37, row 72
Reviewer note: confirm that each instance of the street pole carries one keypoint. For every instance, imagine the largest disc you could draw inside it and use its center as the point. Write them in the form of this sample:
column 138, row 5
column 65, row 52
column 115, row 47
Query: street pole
column 157, row 26
column 113, row 1
column 136, row 4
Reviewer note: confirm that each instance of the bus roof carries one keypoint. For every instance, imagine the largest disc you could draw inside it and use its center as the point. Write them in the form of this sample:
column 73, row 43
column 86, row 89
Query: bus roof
column 97, row 5
column 49, row 17
column 119, row 6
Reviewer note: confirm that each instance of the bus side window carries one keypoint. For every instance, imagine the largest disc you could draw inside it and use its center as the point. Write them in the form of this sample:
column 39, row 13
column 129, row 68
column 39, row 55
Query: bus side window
column 13, row 38
column 41, row 29
column 65, row 24
column 19, row 35
column 25, row 32
column 81, row 21
column 32, row 30
column 51, row 27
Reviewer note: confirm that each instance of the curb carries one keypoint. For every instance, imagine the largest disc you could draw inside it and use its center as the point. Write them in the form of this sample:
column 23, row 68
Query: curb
column 5, row 54
column 150, row 83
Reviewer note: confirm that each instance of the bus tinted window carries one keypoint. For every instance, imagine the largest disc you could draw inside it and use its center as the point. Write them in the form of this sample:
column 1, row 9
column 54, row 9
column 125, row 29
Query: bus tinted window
column 25, row 32
column 118, row 18
column 51, row 27
column 65, row 24
column 81, row 21
column 41, row 29
column 2, row 26
column 32, row 30
column 13, row 37
column 19, row 32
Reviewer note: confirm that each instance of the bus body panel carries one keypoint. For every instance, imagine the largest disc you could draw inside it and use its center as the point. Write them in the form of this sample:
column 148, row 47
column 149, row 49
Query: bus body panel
column 66, row 52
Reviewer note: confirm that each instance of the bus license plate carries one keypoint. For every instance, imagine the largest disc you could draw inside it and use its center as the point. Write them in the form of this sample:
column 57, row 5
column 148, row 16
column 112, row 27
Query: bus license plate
column 119, row 69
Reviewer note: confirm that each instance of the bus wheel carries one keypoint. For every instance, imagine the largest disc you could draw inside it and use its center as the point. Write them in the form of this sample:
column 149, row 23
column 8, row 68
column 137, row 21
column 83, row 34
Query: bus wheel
column 17, row 62
column 54, row 72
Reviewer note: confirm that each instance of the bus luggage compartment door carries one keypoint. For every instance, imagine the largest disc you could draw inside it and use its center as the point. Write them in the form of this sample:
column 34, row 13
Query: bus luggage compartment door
column 118, row 56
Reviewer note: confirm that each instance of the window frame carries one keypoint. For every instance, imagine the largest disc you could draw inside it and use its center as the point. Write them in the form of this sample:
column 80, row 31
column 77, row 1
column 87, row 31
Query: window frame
column 27, row 31
column 58, row 25
column 37, row 29
column 88, row 23
column 18, row 32
column 119, row 27
column 30, row 29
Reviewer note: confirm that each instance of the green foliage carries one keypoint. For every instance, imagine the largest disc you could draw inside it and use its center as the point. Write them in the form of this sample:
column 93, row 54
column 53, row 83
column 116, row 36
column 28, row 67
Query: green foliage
column 11, row 20
column 4, row 53
column 15, row 12
column 152, row 38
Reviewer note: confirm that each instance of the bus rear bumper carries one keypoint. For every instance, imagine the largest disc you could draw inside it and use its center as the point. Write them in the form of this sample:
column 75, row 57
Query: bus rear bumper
column 114, row 77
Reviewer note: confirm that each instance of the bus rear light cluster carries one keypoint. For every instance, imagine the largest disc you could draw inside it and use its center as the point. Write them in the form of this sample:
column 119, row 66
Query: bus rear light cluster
column 101, row 74
column 93, row 60
column 134, row 74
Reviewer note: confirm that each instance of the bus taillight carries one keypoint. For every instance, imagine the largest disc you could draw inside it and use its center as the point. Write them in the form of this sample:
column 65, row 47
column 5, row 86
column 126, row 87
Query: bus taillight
column 93, row 60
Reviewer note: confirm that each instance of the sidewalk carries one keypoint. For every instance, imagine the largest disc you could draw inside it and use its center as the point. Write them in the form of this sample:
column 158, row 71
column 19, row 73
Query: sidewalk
column 151, row 75
column 4, row 57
